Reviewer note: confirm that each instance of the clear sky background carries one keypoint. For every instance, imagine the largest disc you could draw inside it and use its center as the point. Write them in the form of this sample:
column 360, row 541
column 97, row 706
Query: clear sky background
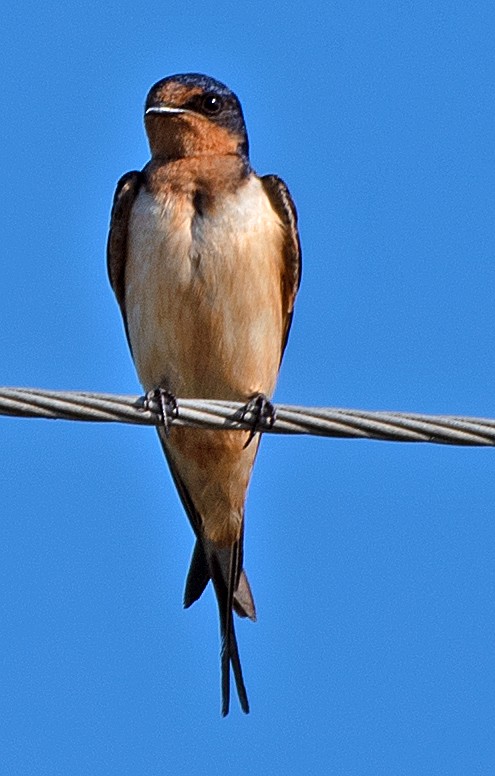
column 372, row 563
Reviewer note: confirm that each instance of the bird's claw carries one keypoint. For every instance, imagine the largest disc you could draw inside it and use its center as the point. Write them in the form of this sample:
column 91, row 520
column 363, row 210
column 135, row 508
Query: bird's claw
column 164, row 404
column 262, row 415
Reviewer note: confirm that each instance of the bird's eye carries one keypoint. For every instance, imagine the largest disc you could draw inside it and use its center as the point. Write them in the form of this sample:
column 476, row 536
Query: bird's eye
column 211, row 104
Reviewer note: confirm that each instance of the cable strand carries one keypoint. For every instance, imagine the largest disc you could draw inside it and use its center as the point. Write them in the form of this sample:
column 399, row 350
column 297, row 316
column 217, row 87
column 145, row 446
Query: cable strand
column 223, row 415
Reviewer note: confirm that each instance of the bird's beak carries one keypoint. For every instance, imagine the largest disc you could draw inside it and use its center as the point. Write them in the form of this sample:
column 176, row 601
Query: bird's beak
column 164, row 109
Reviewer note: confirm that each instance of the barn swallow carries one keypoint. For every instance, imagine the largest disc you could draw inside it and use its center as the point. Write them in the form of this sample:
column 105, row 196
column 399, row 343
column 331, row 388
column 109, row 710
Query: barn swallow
column 204, row 260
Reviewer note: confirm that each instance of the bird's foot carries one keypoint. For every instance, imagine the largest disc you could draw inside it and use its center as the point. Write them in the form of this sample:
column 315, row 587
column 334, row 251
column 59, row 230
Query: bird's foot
column 164, row 404
column 260, row 413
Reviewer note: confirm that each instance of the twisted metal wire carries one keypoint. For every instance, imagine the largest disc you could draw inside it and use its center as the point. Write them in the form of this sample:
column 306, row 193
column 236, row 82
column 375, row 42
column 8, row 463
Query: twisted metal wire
column 224, row 415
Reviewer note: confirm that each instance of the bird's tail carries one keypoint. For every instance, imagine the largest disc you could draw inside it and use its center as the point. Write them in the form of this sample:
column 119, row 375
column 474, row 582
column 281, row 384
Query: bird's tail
column 224, row 590
column 199, row 575
column 223, row 565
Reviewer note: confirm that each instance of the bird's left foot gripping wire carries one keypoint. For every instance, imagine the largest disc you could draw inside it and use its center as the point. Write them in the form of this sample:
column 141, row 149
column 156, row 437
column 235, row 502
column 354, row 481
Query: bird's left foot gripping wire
column 260, row 413
column 164, row 404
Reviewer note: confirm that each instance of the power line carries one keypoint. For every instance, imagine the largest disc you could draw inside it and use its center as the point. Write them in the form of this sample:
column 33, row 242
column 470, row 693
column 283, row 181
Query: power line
column 224, row 415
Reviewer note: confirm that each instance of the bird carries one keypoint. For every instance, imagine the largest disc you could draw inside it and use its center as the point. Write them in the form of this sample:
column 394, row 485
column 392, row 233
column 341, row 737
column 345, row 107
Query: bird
column 204, row 259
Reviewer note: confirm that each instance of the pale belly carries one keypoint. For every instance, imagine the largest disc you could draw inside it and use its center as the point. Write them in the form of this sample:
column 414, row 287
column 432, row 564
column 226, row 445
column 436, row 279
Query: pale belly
column 203, row 295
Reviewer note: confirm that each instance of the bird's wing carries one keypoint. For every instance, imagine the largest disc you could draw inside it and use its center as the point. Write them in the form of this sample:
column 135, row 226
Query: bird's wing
column 282, row 203
column 123, row 200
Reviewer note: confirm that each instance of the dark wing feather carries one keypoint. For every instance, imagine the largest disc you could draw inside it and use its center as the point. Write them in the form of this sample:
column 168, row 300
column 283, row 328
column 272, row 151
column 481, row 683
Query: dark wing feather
column 124, row 197
column 282, row 203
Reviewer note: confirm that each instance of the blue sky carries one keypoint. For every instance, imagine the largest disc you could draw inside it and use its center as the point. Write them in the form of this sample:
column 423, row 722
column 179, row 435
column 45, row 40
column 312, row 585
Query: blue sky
column 371, row 562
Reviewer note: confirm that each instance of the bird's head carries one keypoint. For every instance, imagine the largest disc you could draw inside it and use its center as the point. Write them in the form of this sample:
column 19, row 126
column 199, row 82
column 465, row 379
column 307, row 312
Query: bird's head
column 194, row 115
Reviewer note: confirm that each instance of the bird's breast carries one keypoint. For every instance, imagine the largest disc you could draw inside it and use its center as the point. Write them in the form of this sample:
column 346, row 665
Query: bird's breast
column 204, row 292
